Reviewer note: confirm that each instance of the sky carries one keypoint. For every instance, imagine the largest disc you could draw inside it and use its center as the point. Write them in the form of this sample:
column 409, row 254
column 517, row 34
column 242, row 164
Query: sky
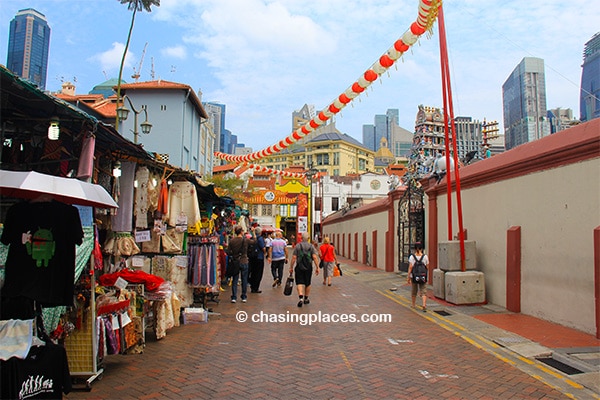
column 265, row 59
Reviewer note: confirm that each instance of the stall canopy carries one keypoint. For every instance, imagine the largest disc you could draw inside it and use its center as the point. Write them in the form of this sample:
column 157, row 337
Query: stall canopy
column 27, row 112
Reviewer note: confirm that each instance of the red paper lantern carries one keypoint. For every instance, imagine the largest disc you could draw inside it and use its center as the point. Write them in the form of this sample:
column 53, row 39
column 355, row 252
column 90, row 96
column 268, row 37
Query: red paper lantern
column 344, row 99
column 356, row 88
column 386, row 61
column 334, row 109
column 370, row 75
column 400, row 46
column 313, row 124
column 417, row 29
column 296, row 136
column 323, row 117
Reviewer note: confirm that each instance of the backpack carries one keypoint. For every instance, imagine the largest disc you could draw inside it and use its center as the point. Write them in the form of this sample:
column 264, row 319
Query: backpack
column 253, row 250
column 304, row 259
column 419, row 270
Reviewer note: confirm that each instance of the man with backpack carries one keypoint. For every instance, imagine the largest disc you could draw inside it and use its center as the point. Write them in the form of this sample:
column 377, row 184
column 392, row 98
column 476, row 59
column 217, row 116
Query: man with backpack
column 256, row 260
column 417, row 274
column 303, row 257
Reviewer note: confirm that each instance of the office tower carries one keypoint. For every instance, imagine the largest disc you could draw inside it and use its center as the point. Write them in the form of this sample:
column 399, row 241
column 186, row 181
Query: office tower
column 216, row 116
column 524, row 103
column 28, row 46
column 368, row 136
column 382, row 128
column 589, row 103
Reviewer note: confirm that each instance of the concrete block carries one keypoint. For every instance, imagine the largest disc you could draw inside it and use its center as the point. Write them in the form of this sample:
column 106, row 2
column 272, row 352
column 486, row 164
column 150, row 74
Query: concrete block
column 439, row 285
column 449, row 255
column 466, row 287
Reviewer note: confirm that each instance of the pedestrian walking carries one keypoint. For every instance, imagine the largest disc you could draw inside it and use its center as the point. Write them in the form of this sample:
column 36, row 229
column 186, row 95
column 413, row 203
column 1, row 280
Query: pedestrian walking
column 278, row 256
column 328, row 259
column 256, row 260
column 303, row 257
column 416, row 262
column 238, row 249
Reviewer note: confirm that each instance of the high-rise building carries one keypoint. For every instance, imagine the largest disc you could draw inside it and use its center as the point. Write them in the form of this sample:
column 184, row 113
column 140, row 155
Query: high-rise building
column 561, row 119
column 28, row 46
column 589, row 103
column 382, row 128
column 468, row 136
column 216, row 116
column 524, row 103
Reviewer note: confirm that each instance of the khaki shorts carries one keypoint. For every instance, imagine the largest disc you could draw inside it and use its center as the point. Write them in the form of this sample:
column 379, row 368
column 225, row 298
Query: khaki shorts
column 418, row 287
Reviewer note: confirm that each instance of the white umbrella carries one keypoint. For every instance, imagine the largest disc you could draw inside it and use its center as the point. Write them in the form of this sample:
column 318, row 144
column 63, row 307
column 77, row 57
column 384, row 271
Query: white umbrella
column 31, row 185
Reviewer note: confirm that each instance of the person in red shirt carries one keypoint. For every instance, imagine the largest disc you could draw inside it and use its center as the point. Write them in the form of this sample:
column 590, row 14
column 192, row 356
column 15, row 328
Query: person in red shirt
column 327, row 255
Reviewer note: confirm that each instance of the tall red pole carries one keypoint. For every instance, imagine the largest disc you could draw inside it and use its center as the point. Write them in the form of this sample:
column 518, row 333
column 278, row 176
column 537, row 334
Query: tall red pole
column 446, row 141
column 449, row 117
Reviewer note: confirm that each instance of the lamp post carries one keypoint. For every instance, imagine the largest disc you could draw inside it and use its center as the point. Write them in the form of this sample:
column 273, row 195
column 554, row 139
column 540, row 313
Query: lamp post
column 123, row 113
column 310, row 175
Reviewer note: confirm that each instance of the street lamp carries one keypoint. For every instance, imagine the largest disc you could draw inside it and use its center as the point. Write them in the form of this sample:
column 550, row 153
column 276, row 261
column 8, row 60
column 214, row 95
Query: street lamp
column 123, row 113
column 310, row 175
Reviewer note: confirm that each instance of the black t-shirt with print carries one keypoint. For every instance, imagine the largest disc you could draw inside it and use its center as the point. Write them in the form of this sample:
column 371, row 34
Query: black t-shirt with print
column 41, row 258
column 44, row 374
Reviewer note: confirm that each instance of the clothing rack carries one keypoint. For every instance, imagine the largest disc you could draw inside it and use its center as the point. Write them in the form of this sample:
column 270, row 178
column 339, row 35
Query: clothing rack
column 203, row 273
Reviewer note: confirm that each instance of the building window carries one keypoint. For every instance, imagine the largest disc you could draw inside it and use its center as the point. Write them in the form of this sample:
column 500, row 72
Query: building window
column 335, row 203
column 318, row 201
column 283, row 210
column 336, row 158
column 293, row 210
column 255, row 209
column 267, row 210
column 323, row 159
column 362, row 164
column 163, row 107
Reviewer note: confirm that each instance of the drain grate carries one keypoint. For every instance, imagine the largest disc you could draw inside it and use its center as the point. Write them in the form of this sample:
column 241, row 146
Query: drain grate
column 567, row 369
column 442, row 312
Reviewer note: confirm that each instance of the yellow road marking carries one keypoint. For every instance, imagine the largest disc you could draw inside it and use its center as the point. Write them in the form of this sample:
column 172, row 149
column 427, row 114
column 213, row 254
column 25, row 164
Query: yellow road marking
column 444, row 323
column 347, row 362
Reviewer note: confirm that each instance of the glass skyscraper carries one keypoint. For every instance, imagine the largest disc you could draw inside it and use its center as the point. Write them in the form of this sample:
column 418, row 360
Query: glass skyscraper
column 28, row 46
column 382, row 128
column 524, row 103
column 589, row 103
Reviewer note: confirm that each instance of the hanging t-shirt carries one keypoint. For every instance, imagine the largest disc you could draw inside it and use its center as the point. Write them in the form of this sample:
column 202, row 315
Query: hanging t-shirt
column 44, row 374
column 41, row 258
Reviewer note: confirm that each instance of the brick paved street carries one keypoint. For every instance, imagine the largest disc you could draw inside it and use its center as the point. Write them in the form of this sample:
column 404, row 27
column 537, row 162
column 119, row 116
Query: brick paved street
column 411, row 357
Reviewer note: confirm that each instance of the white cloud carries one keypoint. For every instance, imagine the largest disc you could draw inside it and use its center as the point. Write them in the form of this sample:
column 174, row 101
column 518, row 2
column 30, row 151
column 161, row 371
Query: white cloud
column 179, row 52
column 110, row 60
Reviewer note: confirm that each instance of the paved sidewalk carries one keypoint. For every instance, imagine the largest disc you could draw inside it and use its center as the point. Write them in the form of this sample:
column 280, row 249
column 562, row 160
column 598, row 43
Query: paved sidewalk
column 416, row 355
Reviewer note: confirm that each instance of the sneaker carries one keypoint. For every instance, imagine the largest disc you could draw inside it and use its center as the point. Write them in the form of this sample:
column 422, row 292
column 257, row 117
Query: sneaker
column 424, row 309
column 244, row 300
column 233, row 300
column 306, row 301
column 278, row 284
column 275, row 282
column 300, row 303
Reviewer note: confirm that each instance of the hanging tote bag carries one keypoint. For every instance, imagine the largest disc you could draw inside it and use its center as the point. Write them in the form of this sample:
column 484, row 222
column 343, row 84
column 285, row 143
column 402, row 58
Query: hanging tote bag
column 337, row 271
column 289, row 284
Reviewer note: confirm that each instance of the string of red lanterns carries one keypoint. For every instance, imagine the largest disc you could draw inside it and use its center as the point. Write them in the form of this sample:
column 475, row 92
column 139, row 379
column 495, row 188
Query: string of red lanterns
column 427, row 14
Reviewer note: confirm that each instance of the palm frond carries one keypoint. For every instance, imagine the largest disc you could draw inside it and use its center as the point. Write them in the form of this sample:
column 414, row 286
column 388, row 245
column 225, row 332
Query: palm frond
column 140, row 5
